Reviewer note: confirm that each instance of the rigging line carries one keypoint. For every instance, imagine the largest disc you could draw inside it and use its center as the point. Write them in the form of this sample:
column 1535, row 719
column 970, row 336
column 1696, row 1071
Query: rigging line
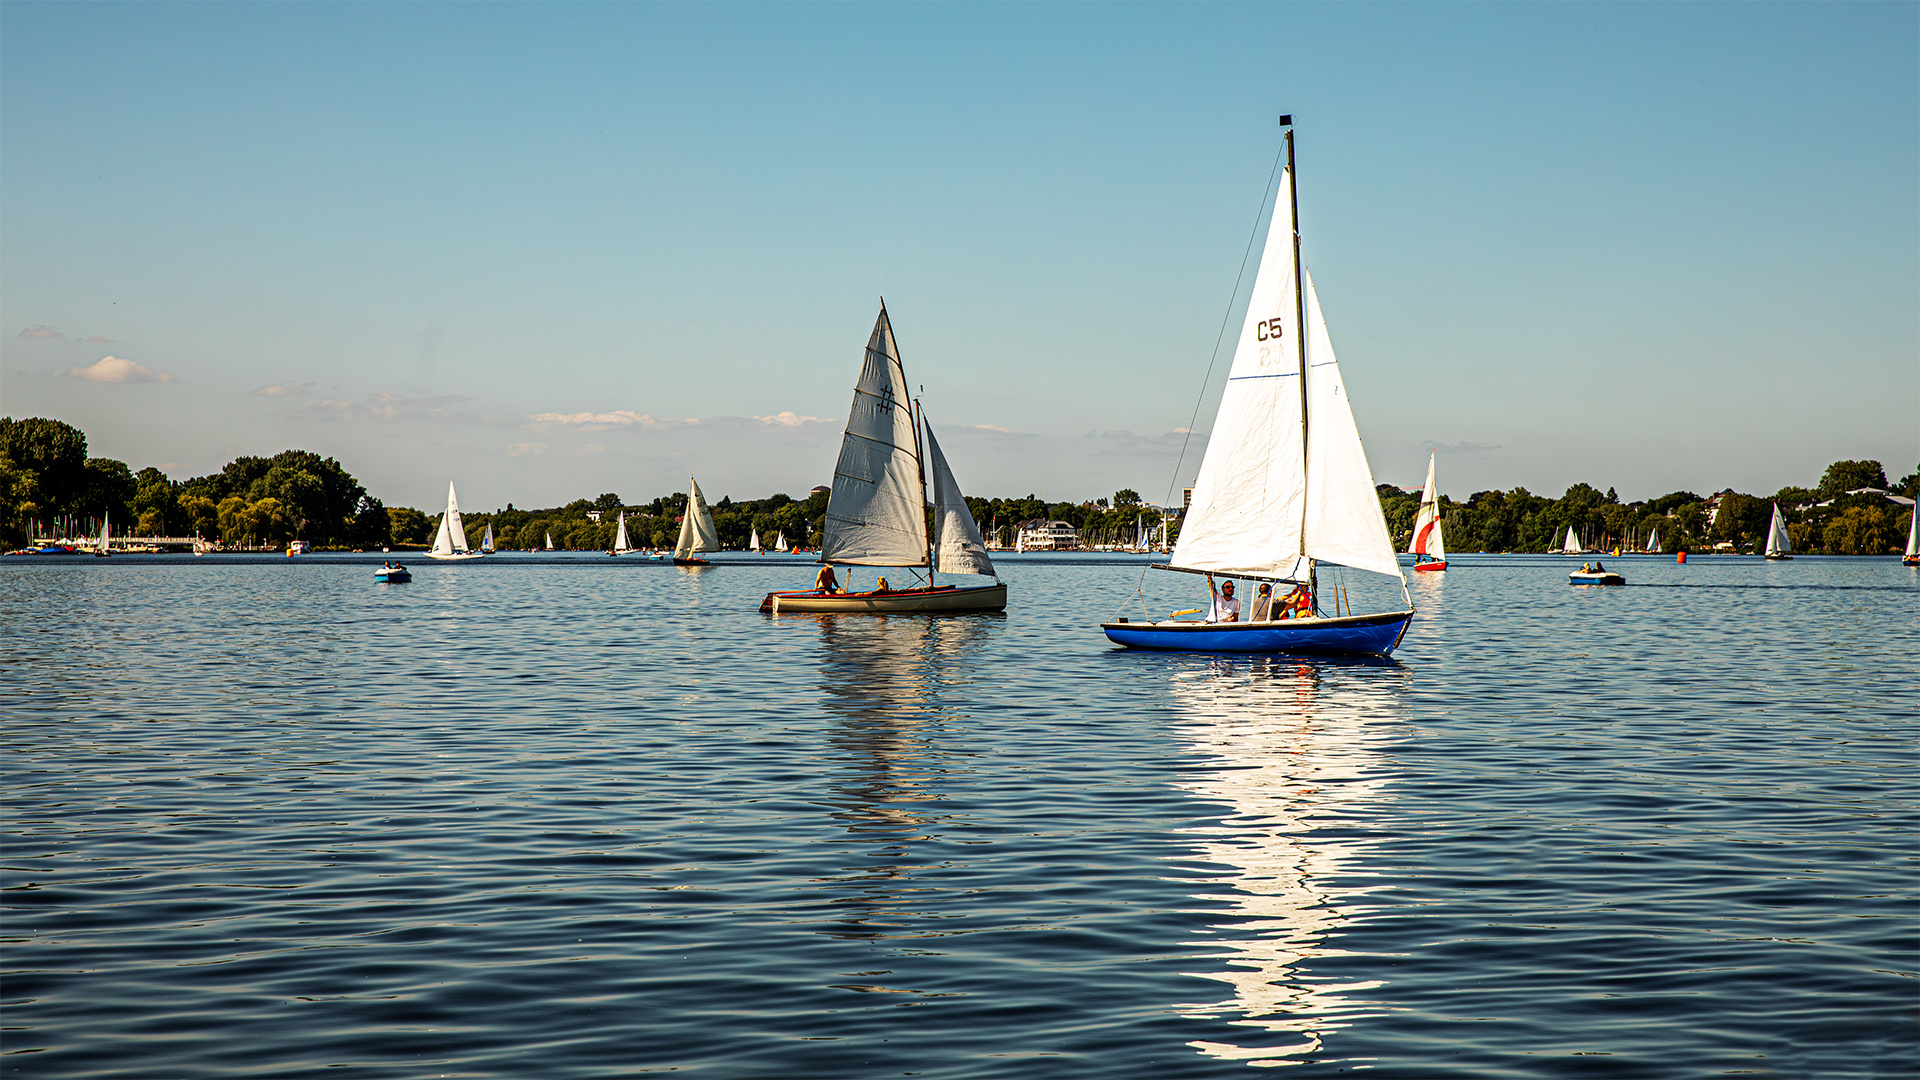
column 1259, row 212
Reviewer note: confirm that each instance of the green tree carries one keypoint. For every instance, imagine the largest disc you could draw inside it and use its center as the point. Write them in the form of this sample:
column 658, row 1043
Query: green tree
column 406, row 525
column 110, row 490
column 1844, row 476
column 52, row 456
column 1857, row 531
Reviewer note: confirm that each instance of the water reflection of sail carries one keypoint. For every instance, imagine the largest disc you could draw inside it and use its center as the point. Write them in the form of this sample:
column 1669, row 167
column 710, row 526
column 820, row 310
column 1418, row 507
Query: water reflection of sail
column 885, row 681
column 1295, row 749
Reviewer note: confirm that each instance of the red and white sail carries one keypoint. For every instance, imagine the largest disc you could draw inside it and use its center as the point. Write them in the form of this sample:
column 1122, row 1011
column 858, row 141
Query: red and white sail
column 1427, row 539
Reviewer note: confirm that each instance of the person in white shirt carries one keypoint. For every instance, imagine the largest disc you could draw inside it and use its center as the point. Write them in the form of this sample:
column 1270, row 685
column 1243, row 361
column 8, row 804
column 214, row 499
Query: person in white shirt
column 1226, row 606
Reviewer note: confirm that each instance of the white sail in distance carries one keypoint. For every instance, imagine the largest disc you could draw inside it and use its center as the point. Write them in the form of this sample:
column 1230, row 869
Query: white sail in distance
column 958, row 548
column 451, row 538
column 486, row 542
column 1777, row 540
column 780, row 542
column 1913, row 532
column 696, row 525
column 1427, row 537
column 753, row 542
column 1572, row 544
column 549, row 541
column 876, row 515
column 620, row 541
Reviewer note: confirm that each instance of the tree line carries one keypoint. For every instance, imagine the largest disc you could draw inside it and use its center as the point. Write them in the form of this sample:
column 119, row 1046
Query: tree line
column 50, row 486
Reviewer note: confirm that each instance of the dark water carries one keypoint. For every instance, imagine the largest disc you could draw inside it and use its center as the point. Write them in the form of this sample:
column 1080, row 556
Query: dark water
column 573, row 817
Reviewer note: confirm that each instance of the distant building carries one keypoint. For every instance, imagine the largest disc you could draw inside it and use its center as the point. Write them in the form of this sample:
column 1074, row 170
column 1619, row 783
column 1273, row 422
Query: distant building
column 1186, row 501
column 594, row 515
column 1043, row 535
column 820, row 489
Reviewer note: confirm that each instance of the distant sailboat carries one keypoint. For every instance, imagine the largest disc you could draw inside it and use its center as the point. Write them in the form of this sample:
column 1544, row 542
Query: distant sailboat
column 696, row 530
column 486, row 542
column 549, row 541
column 622, row 545
column 877, row 513
column 1653, row 542
column 450, row 542
column 1428, row 547
column 1572, row 546
column 1779, row 547
column 1913, row 538
column 753, row 543
column 780, row 542
column 106, row 533
column 1285, row 484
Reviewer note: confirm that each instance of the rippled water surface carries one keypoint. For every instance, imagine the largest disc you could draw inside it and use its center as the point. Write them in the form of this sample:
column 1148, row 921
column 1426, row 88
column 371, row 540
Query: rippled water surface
column 578, row 817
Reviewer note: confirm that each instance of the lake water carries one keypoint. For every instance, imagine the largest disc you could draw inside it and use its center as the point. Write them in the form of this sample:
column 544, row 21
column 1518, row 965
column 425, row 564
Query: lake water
column 570, row 816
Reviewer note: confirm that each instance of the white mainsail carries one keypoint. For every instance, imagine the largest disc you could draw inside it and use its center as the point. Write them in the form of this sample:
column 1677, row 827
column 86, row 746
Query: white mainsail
column 753, row 542
column 1653, row 542
column 696, row 525
column 549, row 541
column 1777, row 541
column 486, row 542
column 1427, row 536
column 1572, row 544
column 780, row 542
column 621, row 544
column 1913, row 532
column 1285, row 479
column 106, row 532
column 876, row 515
column 958, row 548
column 451, row 539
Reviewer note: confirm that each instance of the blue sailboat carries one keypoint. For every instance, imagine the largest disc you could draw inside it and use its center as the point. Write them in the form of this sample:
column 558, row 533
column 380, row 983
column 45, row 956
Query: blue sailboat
column 1285, row 485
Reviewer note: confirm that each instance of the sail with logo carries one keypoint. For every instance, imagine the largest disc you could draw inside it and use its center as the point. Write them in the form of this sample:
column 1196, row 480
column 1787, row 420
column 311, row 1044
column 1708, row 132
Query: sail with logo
column 877, row 512
column 1284, row 486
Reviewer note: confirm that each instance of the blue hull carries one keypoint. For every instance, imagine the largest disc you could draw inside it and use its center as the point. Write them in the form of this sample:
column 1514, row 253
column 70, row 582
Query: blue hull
column 1352, row 635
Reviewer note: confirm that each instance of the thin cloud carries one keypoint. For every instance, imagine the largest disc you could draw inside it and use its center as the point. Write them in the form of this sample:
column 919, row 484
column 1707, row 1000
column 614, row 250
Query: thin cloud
column 98, row 340
column 1464, row 447
column 112, row 369
column 627, row 418
column 1123, row 443
column 277, row 390
column 388, row 407
column 984, row 432
column 44, row 333
column 527, row 449
column 790, row 419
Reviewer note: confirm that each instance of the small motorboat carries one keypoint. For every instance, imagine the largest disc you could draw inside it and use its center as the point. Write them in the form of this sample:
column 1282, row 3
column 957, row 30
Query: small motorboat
column 392, row 573
column 1595, row 575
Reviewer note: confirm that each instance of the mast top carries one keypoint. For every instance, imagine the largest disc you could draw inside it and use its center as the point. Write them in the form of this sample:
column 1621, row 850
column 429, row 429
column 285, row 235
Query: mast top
column 1287, row 120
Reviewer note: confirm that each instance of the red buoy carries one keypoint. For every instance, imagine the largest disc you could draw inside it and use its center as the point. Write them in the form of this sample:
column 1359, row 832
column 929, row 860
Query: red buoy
column 1681, row 558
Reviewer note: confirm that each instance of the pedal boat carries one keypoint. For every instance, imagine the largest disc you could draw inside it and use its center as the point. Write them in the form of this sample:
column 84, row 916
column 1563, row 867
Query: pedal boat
column 1596, row 577
column 940, row 598
column 393, row 574
column 1343, row 635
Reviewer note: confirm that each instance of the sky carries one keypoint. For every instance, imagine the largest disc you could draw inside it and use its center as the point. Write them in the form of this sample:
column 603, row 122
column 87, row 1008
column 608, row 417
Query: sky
column 554, row 250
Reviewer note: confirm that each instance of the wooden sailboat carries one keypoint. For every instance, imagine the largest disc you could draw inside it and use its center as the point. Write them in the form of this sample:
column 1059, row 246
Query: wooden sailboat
column 697, row 533
column 1428, row 547
column 450, row 541
column 1285, row 484
column 1779, row 547
column 877, row 514
column 1912, row 557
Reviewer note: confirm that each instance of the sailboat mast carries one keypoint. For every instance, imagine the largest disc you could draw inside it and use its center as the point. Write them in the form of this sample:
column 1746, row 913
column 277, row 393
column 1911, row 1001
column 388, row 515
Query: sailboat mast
column 920, row 462
column 1300, row 326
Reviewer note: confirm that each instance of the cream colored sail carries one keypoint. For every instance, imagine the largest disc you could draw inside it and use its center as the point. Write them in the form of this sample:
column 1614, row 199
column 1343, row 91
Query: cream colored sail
column 876, row 515
column 958, row 548
column 1248, row 500
column 696, row 525
column 1777, row 541
column 1427, row 538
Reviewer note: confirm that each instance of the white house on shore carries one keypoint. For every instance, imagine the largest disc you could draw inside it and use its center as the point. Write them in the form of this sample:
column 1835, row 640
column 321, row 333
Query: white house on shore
column 1040, row 535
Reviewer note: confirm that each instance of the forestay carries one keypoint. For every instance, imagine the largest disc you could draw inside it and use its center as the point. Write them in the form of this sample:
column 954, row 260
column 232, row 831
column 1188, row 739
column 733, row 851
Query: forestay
column 876, row 515
column 958, row 548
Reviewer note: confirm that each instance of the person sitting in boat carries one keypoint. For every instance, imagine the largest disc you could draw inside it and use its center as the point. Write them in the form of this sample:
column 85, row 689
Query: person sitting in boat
column 826, row 581
column 1262, row 604
column 881, row 586
column 1297, row 604
column 1226, row 606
